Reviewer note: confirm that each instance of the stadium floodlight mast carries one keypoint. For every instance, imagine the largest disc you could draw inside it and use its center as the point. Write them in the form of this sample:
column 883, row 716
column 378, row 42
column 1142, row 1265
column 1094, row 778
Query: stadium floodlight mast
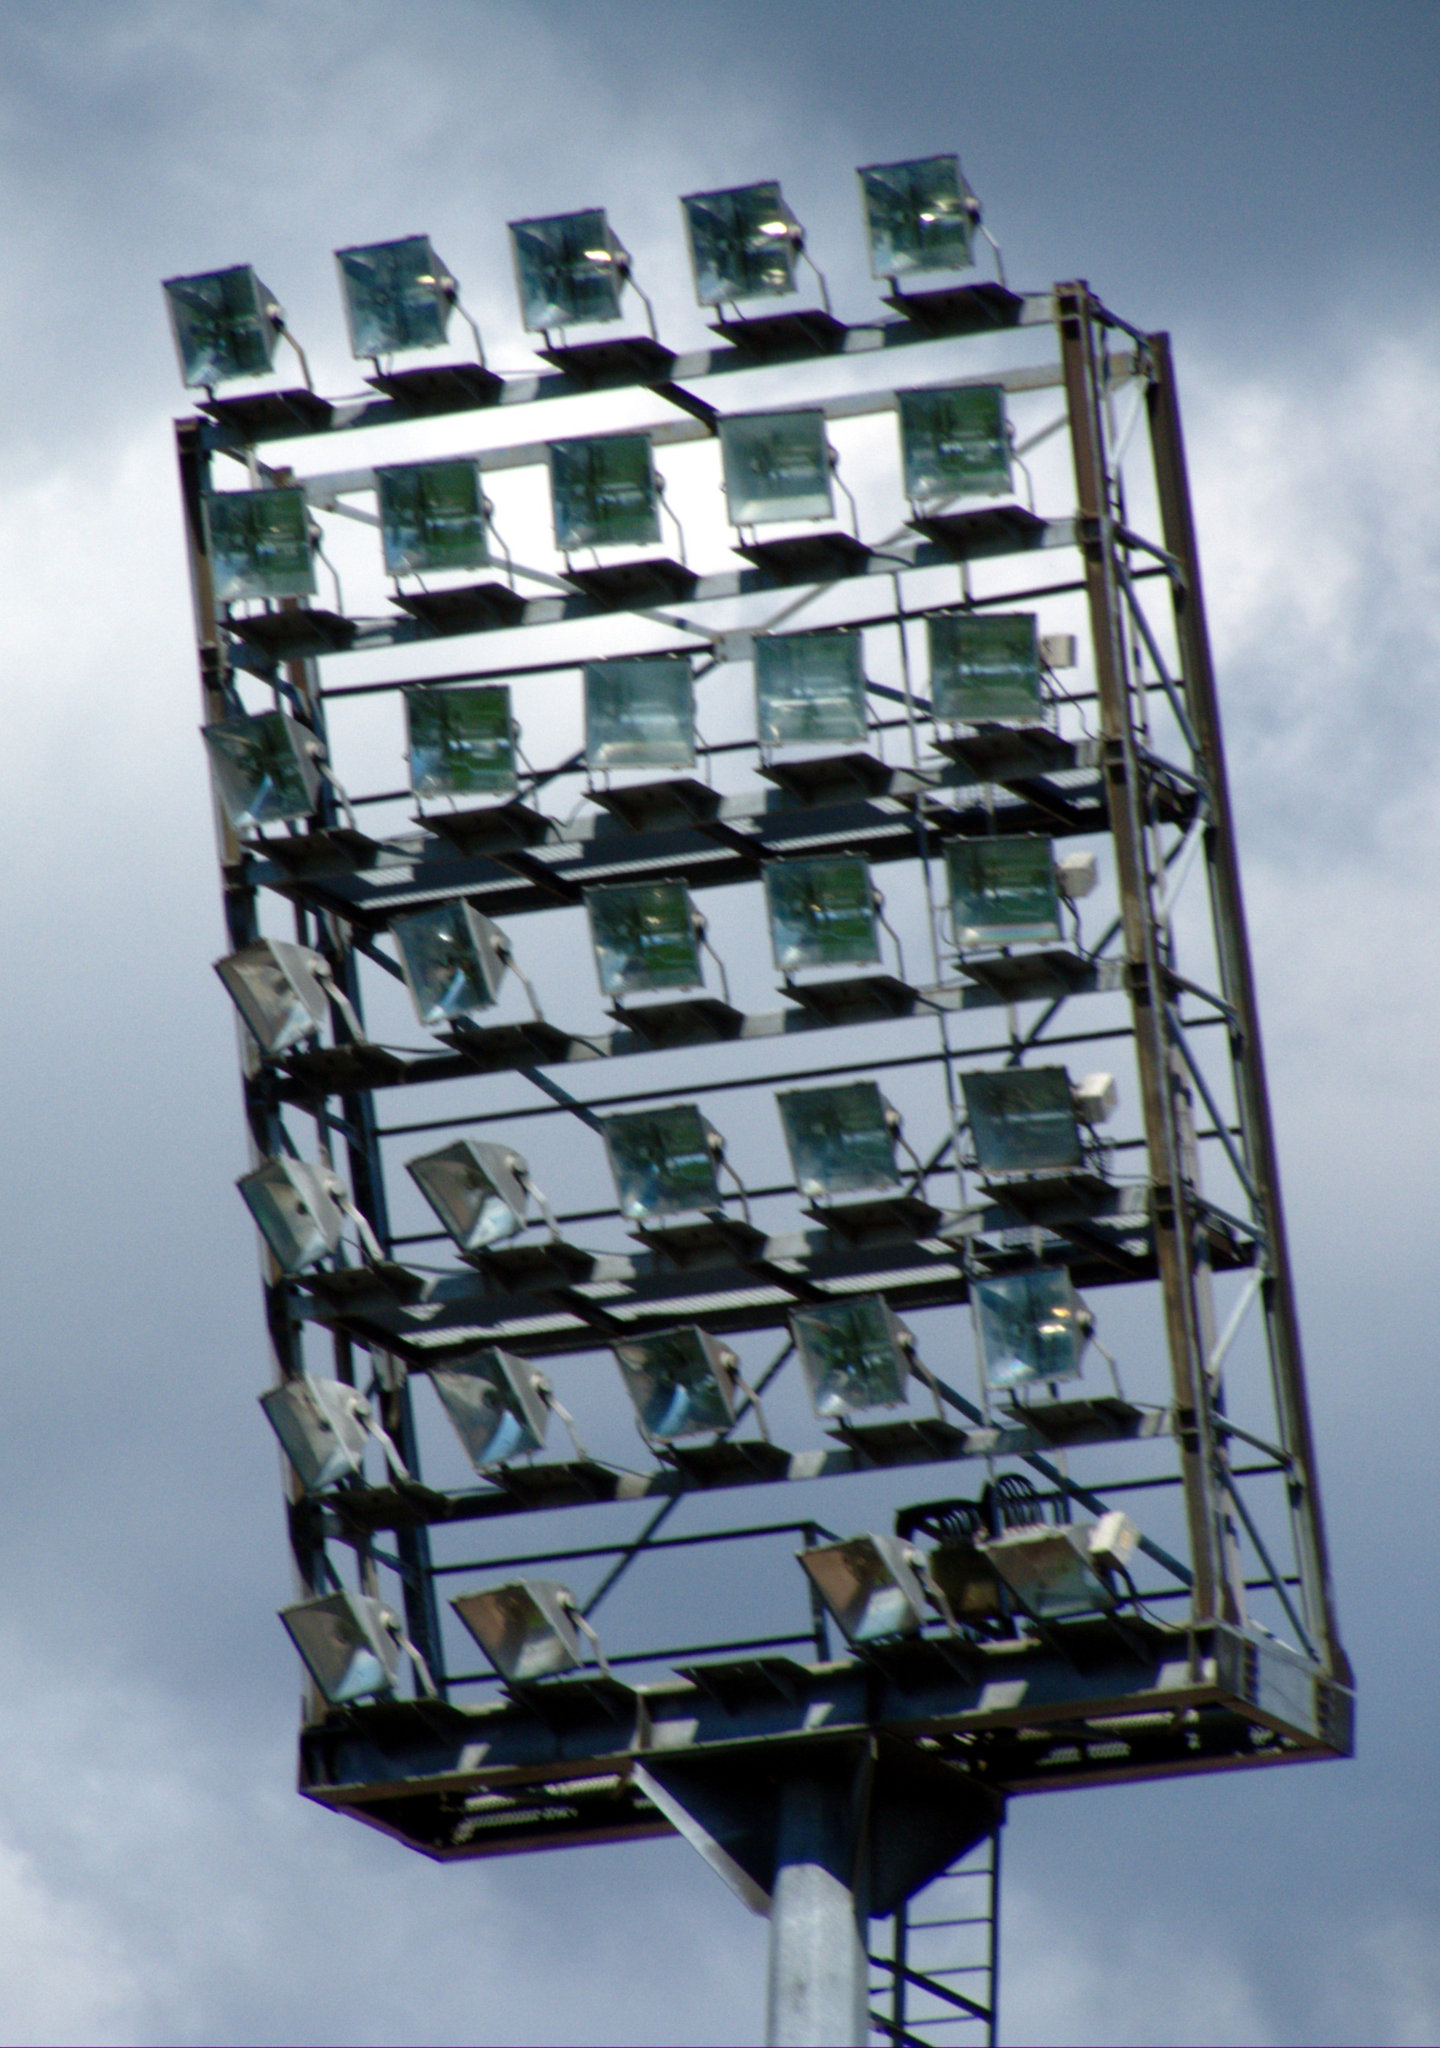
column 751, row 737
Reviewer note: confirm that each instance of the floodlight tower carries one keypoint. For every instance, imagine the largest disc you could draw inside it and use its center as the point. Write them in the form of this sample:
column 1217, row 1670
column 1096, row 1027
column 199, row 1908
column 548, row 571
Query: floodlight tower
column 825, row 1255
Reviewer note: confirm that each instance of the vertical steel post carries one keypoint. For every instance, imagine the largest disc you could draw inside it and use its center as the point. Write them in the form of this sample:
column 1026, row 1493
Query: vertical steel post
column 818, row 1994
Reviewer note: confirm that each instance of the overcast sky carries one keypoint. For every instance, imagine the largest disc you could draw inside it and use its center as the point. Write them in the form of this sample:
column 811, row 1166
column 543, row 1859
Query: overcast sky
column 1260, row 180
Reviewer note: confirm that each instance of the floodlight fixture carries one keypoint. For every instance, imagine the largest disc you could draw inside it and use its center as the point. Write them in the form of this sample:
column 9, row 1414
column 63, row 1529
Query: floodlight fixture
column 461, row 741
column 810, row 687
column 640, row 714
column 226, row 325
column 1056, row 1573
column 855, row 1354
column 664, row 1161
column 480, row 1191
column 529, row 1629
column 1003, row 891
column 646, row 937
column 498, row 1404
column 398, row 296
column 681, row 1382
column 433, row 516
column 299, row 1209
column 604, row 492
column 840, row 1139
column 261, row 544
column 324, row 1426
column 265, row 768
column 823, row 913
column 350, row 1642
column 984, row 665
column 1032, row 1326
column 1022, row 1119
column 956, row 443
column 871, row 1585
column 283, row 992
column 777, row 467
column 454, row 961
column 919, row 216
column 571, row 268
column 745, row 243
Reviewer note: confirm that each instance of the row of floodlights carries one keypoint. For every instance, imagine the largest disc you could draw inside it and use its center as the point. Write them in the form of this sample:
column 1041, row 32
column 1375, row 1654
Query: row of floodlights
column 605, row 492
column 572, row 269
column 877, row 1587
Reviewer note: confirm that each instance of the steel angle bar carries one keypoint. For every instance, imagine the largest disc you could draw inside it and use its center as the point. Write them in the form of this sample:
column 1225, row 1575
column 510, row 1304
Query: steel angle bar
column 1273, row 1576
column 1222, row 1130
column 1142, row 624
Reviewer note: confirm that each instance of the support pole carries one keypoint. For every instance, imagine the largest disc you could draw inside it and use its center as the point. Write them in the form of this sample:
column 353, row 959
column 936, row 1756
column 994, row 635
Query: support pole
column 818, row 1992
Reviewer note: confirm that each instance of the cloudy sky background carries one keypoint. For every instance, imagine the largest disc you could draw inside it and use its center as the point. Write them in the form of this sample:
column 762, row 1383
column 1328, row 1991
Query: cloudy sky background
column 1261, row 181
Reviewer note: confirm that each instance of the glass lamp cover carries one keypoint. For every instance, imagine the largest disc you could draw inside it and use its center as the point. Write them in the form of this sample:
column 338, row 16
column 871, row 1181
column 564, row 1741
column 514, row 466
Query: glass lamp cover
column 298, row 1218
column 1031, row 1326
column 917, row 216
column 259, row 544
column 1002, row 891
column 320, row 1424
column 343, row 1638
column 569, row 267
column 644, row 937
column 225, row 323
column 398, row 295
column 869, row 1586
column 1048, row 1572
column 809, row 686
column 777, row 466
column 462, row 742
column 603, row 492
column 852, row 1354
column 494, row 1404
column 640, row 714
column 822, row 913
column 263, row 768
column 476, row 1190
column 526, row 1629
column 839, row 1139
column 662, row 1161
column 454, row 962
column 955, row 443
column 681, row 1382
column 744, row 243
column 432, row 516
column 984, row 665
column 274, row 987
column 1022, row 1119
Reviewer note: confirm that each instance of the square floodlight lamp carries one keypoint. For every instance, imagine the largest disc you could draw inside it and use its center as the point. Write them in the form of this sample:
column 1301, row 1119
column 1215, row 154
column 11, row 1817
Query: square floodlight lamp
column 1056, row 1573
column 1002, row 891
column 869, row 1584
column 454, row 960
column 855, row 1354
column 984, row 665
column 744, row 243
column 682, row 1382
column 462, row 742
column 432, row 516
column 1032, row 1326
column 822, row 913
column 259, row 543
column 264, row 769
column 322, row 1426
column 296, row 1213
column 494, row 1401
column 777, row 466
column 527, row 1628
column 645, row 937
column 477, row 1189
column 809, row 687
column 226, row 325
column 956, row 443
column 664, row 1161
column 398, row 295
column 640, row 714
column 1022, row 1119
column 603, row 492
column 840, row 1140
column 570, row 268
column 277, row 989
column 918, row 216
column 349, row 1644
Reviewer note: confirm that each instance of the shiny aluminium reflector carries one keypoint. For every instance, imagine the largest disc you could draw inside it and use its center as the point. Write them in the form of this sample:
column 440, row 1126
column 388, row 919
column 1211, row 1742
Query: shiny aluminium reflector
column 640, row 714
column 477, row 1189
column 226, row 325
column 664, row 1161
column 646, row 937
column 984, row 665
column 264, row 768
column 855, row 1354
column 822, row 913
column 919, row 216
column 1022, row 1119
column 840, row 1139
column 744, row 243
column 777, row 466
column 461, row 741
column 681, row 1382
column 350, row 1644
column 433, row 516
column 1056, row 1573
column 527, row 1628
column 1032, row 1326
column 570, row 268
column 1003, row 891
column 323, row 1426
column 454, row 961
column 810, row 687
column 398, row 295
column 495, row 1404
column 870, row 1585
column 296, row 1212
column 956, row 443
column 280, row 989
column 603, row 492
column 259, row 543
